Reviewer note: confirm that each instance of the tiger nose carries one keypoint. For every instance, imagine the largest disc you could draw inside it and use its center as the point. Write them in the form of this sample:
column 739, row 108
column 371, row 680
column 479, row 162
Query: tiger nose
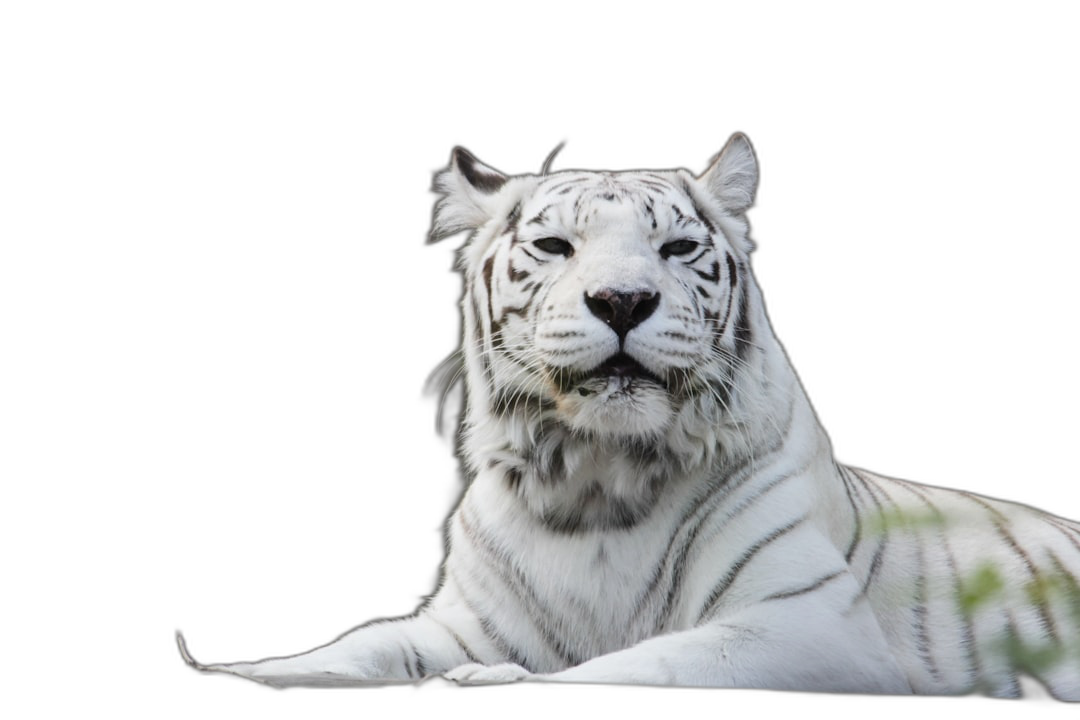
column 622, row 311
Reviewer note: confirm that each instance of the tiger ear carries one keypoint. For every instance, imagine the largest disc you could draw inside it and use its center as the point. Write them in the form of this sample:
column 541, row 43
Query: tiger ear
column 469, row 188
column 733, row 175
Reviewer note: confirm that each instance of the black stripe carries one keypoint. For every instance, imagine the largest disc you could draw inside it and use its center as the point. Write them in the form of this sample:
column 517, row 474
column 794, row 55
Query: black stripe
column 487, row 548
column 879, row 553
column 733, row 573
column 920, row 609
column 1031, row 688
column 502, row 645
column 981, row 502
column 651, row 214
column 522, row 311
column 703, row 217
column 678, row 571
column 856, row 537
column 1045, row 620
column 714, row 272
column 968, row 623
column 1072, row 585
column 974, row 665
column 525, row 250
column 421, row 666
column 515, row 274
column 410, row 668
column 732, row 278
column 697, row 208
column 514, row 579
column 550, row 335
column 1068, row 576
column 645, row 186
column 489, row 266
column 743, row 334
column 762, row 491
column 732, row 270
column 578, row 201
column 807, row 589
column 875, row 566
column 922, row 633
column 1026, row 685
column 684, row 220
column 1065, row 530
column 513, row 479
column 697, row 257
column 478, row 334
column 540, row 217
column 568, row 184
column 457, row 638
column 617, row 514
column 690, row 524
column 566, row 352
column 500, row 642
column 1000, row 522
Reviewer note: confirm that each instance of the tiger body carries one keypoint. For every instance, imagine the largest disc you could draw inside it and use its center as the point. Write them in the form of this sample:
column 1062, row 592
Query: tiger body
column 651, row 498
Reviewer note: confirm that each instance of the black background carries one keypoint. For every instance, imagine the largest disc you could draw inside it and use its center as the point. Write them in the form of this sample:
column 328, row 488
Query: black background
column 910, row 227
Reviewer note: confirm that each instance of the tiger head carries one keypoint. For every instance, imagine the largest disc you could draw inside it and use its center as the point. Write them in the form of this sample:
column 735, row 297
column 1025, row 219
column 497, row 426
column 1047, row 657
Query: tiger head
column 603, row 303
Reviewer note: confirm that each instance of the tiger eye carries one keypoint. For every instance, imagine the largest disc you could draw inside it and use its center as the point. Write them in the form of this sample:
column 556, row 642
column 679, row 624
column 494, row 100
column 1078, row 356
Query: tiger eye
column 554, row 246
column 677, row 247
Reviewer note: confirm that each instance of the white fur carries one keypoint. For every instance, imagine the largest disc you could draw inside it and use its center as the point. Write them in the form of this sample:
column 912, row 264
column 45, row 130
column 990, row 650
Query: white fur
column 693, row 530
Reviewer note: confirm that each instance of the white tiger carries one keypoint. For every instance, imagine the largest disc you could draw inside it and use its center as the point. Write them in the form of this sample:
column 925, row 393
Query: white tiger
column 651, row 498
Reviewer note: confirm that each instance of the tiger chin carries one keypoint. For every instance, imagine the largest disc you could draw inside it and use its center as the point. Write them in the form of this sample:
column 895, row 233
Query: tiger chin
column 651, row 498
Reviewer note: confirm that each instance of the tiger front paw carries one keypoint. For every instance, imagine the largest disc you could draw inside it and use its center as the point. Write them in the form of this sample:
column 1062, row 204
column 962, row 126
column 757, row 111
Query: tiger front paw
column 477, row 674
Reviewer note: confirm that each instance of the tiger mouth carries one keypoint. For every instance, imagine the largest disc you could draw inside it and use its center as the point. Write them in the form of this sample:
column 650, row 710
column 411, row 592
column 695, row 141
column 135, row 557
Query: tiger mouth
column 620, row 370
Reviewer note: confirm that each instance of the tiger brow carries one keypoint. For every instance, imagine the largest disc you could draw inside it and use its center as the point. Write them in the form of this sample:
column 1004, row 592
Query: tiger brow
column 684, row 220
column 540, row 218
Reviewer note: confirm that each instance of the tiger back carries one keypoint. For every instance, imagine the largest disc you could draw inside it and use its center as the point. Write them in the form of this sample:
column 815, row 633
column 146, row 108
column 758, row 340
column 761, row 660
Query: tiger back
column 651, row 498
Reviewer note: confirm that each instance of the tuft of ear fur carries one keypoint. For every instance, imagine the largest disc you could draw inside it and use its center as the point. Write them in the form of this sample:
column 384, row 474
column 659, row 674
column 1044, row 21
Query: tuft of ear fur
column 468, row 187
column 733, row 175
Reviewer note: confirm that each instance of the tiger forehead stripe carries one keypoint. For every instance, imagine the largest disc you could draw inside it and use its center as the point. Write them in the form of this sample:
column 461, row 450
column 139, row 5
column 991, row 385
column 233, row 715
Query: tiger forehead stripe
column 684, row 220
column 540, row 217
column 653, row 184
column 565, row 184
column 702, row 216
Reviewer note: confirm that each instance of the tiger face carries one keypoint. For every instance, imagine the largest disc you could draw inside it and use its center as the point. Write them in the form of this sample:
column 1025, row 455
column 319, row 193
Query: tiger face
column 627, row 280
column 608, row 299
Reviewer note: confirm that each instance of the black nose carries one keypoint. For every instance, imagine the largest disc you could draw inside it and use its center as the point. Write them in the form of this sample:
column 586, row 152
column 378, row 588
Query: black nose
column 622, row 311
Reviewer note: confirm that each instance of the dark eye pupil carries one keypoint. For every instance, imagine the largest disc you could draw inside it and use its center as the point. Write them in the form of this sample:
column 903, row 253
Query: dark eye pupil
column 555, row 246
column 678, row 247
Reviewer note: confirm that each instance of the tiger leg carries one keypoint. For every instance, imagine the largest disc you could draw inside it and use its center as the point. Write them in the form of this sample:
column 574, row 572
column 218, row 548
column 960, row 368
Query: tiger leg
column 765, row 646
column 788, row 644
column 405, row 649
